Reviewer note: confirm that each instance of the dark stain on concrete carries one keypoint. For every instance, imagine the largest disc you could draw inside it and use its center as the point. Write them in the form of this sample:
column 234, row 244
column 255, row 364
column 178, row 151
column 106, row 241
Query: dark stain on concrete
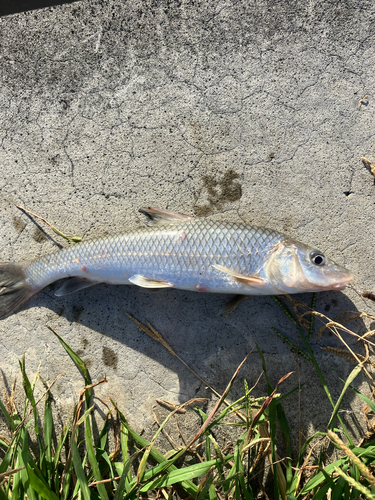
column 18, row 224
column 109, row 357
column 39, row 236
column 84, row 342
column 271, row 156
column 219, row 192
column 77, row 311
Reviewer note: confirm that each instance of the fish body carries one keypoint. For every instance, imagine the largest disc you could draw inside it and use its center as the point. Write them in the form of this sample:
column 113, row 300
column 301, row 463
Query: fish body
column 179, row 252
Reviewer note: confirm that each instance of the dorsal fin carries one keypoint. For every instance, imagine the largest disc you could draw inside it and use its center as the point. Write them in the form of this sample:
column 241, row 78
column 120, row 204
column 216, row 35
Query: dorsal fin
column 160, row 216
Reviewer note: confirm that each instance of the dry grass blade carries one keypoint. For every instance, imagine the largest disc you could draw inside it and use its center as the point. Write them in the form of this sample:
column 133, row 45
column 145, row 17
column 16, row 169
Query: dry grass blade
column 364, row 99
column 72, row 239
column 151, row 332
column 10, row 472
column 342, row 353
column 331, row 325
column 365, row 471
column 170, row 439
column 142, row 465
column 9, row 401
column 256, row 441
column 154, row 334
column 264, row 406
column 170, row 406
column 368, row 295
column 264, row 433
column 369, row 164
column 222, row 398
column 103, row 481
column 358, row 486
column 307, row 460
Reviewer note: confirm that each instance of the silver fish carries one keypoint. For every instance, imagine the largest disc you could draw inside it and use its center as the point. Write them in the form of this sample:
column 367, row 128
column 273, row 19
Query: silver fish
column 177, row 251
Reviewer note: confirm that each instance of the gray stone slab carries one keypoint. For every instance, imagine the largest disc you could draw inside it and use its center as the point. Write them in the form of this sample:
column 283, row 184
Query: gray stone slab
column 234, row 110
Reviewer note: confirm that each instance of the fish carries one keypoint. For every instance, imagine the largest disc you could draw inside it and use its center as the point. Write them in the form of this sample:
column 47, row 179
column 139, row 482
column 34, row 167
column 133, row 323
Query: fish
column 178, row 251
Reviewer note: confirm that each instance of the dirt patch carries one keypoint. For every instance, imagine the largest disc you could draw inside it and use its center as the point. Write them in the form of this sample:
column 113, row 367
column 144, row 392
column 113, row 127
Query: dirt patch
column 219, row 192
column 18, row 224
column 109, row 357
column 39, row 236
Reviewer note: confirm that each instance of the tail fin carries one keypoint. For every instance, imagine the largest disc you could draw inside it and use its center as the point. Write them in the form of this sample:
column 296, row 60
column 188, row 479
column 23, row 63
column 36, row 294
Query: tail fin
column 14, row 289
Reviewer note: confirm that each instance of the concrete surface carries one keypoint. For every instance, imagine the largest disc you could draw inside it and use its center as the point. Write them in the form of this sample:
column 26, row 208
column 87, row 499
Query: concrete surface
column 232, row 109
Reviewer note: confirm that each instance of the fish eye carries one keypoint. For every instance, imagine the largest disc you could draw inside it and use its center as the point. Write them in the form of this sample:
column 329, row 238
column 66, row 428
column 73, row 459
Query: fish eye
column 317, row 258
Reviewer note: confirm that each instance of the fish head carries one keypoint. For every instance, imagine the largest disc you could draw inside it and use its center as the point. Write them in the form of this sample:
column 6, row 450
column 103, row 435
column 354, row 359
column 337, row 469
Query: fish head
column 295, row 268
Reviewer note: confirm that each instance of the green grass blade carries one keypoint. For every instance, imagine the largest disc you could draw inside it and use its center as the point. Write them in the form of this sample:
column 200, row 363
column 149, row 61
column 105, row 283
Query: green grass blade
column 124, row 434
column 77, row 360
column 313, row 360
column 66, row 481
column 284, row 426
column 78, row 469
column 365, row 398
column 321, row 476
column 187, row 473
column 122, row 483
column 3, row 495
column 338, row 490
column 85, row 415
column 93, row 461
column 39, row 486
column 244, row 493
column 26, row 382
column 321, row 493
column 360, row 487
column 48, row 428
column 24, row 459
column 60, row 444
column 30, row 396
column 17, row 490
column 348, row 381
column 77, row 491
column 103, row 436
column 189, row 486
column 7, row 457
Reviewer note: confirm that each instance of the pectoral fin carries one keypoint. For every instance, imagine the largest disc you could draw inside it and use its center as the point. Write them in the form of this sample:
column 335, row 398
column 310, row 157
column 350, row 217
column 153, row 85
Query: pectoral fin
column 253, row 279
column 160, row 216
column 74, row 285
column 139, row 280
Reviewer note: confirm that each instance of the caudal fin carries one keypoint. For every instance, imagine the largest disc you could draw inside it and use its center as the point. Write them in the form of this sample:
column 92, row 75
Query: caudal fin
column 14, row 289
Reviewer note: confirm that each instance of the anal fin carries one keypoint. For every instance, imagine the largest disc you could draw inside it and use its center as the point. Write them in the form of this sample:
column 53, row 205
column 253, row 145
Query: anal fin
column 232, row 304
column 253, row 279
column 143, row 282
column 74, row 285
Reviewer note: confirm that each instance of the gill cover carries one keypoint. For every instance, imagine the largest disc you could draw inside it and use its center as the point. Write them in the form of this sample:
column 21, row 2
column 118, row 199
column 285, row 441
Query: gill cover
column 294, row 268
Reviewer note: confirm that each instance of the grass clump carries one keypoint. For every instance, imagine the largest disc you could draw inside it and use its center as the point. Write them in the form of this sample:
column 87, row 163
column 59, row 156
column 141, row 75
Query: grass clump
column 117, row 463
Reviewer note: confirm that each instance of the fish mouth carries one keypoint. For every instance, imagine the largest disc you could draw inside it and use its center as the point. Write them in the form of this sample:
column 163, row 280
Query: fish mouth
column 338, row 285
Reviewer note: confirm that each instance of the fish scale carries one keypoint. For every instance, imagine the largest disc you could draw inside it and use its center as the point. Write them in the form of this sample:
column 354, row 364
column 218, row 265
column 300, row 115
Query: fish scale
column 192, row 254
column 183, row 254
